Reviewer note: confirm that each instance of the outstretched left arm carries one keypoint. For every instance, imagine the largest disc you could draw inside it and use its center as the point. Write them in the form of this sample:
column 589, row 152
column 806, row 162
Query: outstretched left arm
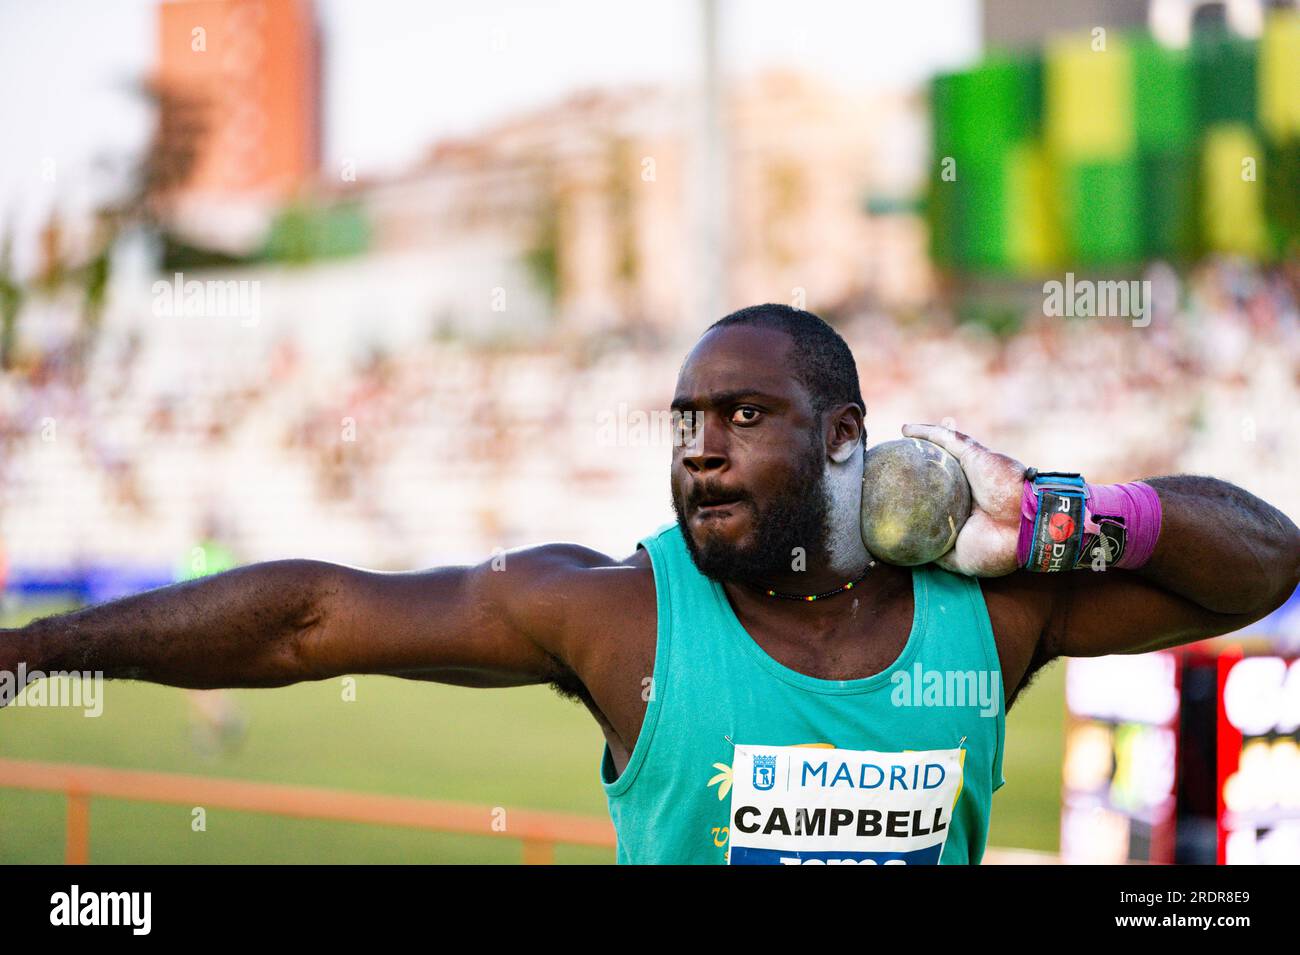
column 1224, row 558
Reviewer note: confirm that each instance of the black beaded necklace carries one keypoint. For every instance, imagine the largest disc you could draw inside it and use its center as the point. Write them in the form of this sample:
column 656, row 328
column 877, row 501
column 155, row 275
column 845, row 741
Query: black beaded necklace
column 830, row 593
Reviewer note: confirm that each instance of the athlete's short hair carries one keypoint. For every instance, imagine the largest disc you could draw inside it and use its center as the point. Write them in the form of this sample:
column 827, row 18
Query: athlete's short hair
column 822, row 360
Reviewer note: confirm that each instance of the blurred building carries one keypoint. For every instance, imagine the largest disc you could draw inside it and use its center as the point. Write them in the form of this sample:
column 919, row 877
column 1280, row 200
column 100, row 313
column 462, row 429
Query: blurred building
column 594, row 196
column 1022, row 23
column 577, row 217
column 1012, row 23
column 239, row 86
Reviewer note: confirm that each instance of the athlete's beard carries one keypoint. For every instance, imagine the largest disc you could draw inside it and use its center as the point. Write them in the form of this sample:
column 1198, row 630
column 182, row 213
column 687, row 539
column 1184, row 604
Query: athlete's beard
column 794, row 517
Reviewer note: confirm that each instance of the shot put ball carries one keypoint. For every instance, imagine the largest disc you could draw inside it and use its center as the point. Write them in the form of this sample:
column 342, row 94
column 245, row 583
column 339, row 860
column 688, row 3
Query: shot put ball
column 915, row 500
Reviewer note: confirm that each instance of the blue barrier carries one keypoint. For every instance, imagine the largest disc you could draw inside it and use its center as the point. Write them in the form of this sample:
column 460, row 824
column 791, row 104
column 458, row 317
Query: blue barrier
column 93, row 583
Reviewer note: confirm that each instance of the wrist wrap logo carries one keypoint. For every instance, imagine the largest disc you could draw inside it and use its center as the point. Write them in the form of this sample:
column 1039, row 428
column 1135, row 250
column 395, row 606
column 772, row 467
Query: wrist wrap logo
column 1058, row 531
column 1104, row 537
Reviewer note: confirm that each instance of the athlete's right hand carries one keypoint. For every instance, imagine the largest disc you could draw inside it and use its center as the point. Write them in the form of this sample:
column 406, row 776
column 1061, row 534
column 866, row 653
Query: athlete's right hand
column 18, row 663
column 9, row 666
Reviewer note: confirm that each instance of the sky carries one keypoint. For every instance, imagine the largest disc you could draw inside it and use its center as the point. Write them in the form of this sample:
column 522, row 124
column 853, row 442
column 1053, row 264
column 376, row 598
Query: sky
column 400, row 74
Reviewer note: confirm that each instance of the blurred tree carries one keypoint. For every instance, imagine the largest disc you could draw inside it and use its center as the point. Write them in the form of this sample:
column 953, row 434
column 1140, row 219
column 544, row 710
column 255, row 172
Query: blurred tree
column 94, row 278
column 11, row 300
column 152, row 181
column 542, row 259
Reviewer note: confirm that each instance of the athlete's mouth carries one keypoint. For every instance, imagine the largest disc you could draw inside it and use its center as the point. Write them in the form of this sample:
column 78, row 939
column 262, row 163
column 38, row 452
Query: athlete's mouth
column 716, row 504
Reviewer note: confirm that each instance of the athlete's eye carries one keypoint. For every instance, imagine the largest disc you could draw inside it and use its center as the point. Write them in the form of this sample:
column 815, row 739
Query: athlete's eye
column 746, row 414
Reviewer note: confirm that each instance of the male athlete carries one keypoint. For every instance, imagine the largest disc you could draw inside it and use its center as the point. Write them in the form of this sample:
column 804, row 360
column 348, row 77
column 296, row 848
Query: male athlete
column 743, row 725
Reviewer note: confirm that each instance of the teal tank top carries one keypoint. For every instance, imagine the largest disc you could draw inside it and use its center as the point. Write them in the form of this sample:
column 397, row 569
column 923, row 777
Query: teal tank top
column 722, row 715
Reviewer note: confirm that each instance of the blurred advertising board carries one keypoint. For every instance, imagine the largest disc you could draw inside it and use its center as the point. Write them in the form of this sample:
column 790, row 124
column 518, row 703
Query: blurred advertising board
column 1188, row 756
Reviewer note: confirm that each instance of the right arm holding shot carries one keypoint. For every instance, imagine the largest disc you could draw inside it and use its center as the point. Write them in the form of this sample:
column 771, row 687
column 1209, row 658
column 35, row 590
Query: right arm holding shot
column 283, row 622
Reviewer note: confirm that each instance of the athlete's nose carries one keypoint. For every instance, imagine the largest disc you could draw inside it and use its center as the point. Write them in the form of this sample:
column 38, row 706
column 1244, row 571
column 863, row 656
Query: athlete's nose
column 706, row 450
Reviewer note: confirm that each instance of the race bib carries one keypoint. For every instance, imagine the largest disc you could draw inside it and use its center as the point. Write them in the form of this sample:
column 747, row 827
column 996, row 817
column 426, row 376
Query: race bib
column 795, row 805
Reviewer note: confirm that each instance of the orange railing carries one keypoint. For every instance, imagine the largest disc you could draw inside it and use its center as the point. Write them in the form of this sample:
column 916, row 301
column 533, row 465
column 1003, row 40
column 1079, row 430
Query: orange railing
column 539, row 831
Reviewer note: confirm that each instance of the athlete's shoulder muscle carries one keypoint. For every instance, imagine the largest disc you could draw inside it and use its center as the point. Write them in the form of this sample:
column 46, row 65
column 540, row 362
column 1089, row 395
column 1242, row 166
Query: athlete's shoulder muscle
column 610, row 610
column 609, row 646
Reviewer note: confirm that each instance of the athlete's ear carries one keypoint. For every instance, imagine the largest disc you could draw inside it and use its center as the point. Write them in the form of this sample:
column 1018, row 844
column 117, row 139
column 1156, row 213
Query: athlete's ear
column 847, row 432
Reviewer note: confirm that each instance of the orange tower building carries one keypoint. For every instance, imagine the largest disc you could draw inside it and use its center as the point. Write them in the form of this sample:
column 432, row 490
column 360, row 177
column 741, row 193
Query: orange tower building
column 251, row 68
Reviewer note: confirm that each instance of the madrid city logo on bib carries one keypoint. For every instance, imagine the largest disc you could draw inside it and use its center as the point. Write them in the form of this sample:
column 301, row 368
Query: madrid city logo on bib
column 791, row 805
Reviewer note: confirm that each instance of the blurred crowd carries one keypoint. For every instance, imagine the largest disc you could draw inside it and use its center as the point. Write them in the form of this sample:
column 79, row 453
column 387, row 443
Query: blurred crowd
column 131, row 449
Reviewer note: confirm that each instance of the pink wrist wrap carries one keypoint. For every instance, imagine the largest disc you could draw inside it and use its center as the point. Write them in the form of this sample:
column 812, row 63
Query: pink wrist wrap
column 1125, row 516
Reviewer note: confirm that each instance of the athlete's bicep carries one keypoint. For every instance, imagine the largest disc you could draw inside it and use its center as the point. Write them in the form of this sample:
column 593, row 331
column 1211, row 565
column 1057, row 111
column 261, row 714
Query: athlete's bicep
column 499, row 623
